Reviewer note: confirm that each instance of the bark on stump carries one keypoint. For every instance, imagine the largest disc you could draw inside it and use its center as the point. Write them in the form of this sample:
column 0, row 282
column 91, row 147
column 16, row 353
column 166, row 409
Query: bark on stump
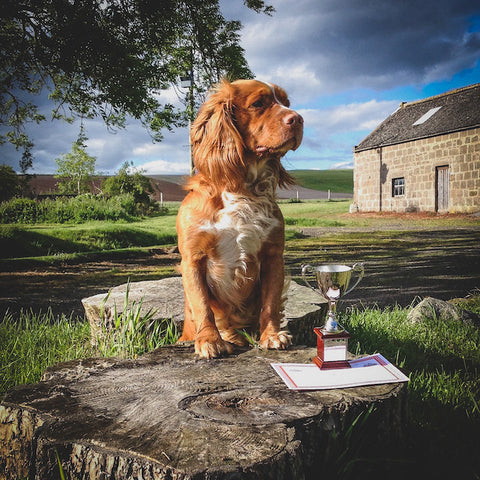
column 170, row 415
column 304, row 309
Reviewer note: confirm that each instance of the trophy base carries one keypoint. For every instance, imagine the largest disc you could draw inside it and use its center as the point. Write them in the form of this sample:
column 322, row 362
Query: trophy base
column 331, row 349
column 330, row 365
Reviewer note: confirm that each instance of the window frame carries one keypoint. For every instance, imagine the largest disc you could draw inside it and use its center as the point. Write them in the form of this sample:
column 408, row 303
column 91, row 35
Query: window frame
column 398, row 187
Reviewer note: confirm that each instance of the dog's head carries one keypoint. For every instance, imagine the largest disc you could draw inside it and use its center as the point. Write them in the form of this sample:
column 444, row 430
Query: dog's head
column 243, row 124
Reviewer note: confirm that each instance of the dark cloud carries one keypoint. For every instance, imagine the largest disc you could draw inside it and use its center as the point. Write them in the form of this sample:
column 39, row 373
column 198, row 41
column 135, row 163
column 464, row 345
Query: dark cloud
column 364, row 44
column 330, row 55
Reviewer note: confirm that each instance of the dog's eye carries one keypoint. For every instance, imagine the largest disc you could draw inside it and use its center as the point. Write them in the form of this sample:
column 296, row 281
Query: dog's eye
column 257, row 104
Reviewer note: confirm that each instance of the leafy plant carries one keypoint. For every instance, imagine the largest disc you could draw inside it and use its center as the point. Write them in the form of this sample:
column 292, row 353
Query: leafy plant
column 132, row 332
column 9, row 183
column 132, row 182
column 80, row 54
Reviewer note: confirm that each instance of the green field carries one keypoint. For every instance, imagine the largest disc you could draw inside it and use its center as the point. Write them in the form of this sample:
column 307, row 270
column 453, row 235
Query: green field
column 20, row 241
column 337, row 181
column 65, row 240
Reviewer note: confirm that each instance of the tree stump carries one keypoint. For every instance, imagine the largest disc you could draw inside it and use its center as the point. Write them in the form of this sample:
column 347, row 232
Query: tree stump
column 304, row 309
column 171, row 415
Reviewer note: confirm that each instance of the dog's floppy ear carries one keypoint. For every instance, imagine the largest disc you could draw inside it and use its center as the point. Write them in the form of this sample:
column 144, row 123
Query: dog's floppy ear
column 218, row 148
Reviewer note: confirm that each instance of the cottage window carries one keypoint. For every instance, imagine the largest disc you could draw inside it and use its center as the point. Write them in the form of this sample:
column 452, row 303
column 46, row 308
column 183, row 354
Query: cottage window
column 398, row 187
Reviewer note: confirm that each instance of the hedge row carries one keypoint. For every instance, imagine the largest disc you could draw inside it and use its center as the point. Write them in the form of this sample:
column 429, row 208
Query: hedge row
column 73, row 210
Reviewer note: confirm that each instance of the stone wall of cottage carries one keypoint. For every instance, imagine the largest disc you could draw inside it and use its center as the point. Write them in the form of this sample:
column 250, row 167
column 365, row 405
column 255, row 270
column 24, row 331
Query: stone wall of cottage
column 417, row 162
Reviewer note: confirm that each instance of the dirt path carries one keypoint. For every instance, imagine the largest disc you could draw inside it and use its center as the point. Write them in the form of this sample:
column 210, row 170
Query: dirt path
column 61, row 286
column 399, row 266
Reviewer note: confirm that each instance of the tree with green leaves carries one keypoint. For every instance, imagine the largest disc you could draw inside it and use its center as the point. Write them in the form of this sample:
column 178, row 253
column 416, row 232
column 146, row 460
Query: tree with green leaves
column 110, row 59
column 9, row 183
column 76, row 168
column 129, row 180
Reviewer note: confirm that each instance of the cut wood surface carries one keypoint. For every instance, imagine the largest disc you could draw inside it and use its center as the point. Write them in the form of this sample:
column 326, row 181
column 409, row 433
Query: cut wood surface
column 171, row 415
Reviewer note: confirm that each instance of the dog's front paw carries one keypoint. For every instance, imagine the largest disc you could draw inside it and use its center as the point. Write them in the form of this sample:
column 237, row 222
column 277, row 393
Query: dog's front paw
column 211, row 345
column 276, row 340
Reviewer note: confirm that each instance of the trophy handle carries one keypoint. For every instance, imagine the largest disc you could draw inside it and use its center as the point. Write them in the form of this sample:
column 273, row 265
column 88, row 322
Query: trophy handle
column 305, row 269
column 356, row 266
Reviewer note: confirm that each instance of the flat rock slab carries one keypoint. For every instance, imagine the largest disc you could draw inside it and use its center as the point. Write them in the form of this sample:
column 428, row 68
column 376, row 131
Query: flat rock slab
column 304, row 309
column 171, row 415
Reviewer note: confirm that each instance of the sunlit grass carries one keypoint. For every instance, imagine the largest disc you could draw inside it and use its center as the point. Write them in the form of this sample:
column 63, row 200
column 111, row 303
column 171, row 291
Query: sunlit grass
column 441, row 357
column 32, row 342
column 51, row 240
column 134, row 331
column 61, row 241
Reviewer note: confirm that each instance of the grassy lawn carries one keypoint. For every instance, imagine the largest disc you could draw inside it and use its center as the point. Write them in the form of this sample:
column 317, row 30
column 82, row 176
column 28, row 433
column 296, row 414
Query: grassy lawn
column 27, row 241
column 335, row 213
column 63, row 240
column 31, row 343
column 337, row 181
column 442, row 358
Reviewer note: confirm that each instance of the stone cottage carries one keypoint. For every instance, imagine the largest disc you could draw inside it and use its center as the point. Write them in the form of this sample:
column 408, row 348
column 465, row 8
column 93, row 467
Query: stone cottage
column 423, row 157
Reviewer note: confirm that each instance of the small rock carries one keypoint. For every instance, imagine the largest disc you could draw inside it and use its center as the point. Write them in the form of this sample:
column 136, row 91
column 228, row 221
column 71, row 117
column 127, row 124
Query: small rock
column 431, row 307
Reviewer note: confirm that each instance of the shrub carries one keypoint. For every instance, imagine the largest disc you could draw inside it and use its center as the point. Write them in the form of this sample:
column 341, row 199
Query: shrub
column 78, row 209
column 19, row 210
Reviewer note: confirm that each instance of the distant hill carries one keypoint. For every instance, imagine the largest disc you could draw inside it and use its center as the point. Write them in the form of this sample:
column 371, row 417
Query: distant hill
column 313, row 184
column 47, row 184
column 337, row 181
column 178, row 179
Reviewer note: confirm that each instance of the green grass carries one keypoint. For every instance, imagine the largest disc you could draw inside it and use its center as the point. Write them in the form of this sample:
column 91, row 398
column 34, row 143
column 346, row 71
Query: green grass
column 54, row 240
column 442, row 359
column 64, row 241
column 443, row 362
column 319, row 213
column 32, row 342
column 135, row 332
column 337, row 181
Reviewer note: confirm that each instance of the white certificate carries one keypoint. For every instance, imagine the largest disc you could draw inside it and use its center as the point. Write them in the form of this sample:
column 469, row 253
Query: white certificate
column 371, row 370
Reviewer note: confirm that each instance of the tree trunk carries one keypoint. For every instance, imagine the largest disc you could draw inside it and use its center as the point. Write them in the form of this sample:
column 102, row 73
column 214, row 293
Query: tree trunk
column 170, row 415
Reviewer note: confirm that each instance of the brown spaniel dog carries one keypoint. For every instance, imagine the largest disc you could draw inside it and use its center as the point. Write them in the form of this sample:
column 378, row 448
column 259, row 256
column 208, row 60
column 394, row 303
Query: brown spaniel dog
column 230, row 229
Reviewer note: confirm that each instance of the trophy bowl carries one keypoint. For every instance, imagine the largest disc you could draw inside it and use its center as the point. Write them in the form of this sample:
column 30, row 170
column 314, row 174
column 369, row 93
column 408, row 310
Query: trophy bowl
column 332, row 282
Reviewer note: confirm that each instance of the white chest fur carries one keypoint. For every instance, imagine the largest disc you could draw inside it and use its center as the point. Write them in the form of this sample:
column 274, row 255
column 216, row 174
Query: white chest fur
column 241, row 228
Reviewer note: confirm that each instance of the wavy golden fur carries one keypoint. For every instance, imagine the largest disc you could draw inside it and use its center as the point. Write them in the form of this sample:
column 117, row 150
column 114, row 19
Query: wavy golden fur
column 230, row 229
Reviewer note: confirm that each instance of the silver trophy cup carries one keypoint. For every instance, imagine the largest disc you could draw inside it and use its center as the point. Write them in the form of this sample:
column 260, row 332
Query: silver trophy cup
column 333, row 281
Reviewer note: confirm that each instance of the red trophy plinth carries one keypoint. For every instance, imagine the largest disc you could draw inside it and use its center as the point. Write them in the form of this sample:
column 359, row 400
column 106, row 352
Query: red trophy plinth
column 331, row 349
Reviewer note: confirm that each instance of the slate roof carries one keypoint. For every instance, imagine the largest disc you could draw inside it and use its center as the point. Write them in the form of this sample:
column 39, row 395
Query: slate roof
column 459, row 110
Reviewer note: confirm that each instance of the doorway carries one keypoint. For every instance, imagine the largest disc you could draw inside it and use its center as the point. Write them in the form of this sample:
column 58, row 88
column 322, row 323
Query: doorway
column 442, row 180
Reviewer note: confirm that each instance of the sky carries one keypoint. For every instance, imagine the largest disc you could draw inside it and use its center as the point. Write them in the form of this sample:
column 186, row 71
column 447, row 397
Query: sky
column 346, row 65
